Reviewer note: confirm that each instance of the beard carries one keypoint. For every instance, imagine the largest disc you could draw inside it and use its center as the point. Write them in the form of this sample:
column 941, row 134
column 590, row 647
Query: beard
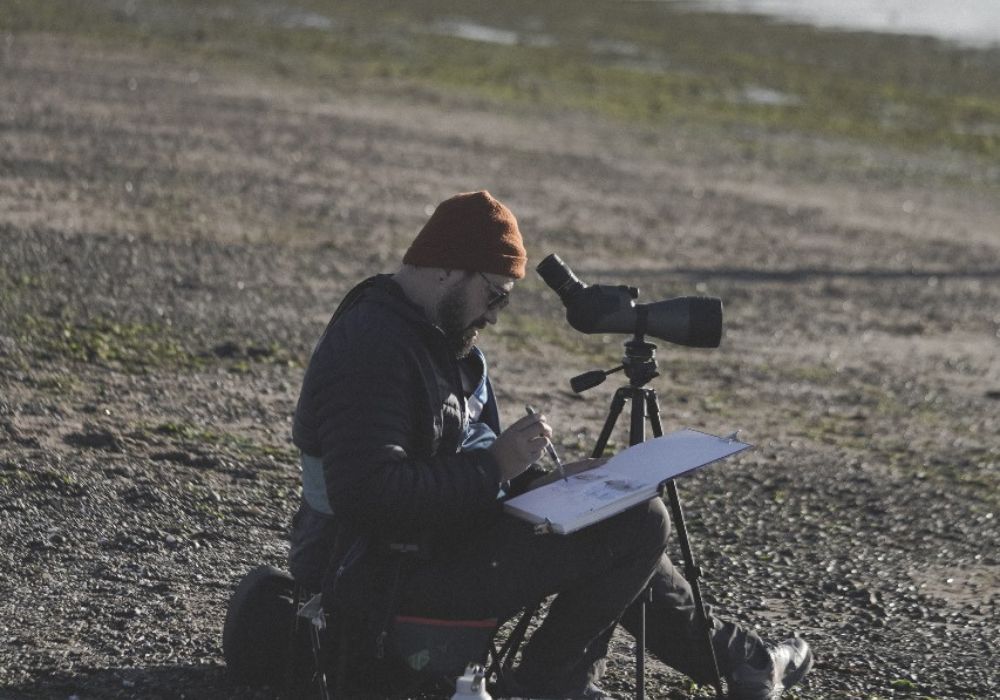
column 451, row 312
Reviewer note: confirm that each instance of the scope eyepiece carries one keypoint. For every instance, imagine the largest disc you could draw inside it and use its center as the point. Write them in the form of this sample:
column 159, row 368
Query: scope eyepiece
column 559, row 277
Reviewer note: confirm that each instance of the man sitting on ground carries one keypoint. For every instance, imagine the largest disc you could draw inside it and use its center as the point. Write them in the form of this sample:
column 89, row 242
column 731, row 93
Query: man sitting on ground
column 398, row 426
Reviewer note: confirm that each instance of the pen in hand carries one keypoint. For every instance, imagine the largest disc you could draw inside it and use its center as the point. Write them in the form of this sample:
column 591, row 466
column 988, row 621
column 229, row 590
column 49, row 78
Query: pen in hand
column 551, row 450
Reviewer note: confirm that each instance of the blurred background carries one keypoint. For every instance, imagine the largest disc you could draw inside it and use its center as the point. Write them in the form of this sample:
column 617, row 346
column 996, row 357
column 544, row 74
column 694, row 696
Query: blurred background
column 188, row 188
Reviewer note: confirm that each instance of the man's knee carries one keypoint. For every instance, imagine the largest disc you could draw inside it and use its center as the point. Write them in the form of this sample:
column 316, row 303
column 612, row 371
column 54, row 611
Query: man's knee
column 654, row 523
column 641, row 530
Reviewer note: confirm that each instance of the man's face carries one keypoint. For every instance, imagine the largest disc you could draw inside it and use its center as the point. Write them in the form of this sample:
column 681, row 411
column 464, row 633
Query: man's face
column 469, row 306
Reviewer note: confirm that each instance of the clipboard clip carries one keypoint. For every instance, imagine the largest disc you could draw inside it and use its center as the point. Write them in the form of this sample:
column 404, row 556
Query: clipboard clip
column 544, row 528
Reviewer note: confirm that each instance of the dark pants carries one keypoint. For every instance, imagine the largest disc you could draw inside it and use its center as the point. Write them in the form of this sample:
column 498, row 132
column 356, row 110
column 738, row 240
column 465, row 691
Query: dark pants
column 597, row 574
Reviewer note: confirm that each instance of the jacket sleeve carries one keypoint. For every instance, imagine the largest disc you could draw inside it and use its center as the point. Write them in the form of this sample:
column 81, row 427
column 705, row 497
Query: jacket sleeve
column 370, row 405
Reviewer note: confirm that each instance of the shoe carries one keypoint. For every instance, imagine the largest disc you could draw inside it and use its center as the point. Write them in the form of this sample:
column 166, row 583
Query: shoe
column 787, row 664
column 595, row 692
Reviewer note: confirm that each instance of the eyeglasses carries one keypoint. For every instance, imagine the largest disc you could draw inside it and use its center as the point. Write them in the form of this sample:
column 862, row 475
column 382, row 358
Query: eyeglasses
column 499, row 297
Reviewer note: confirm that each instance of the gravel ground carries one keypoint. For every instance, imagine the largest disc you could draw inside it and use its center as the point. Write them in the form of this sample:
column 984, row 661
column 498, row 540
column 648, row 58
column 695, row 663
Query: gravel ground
column 172, row 241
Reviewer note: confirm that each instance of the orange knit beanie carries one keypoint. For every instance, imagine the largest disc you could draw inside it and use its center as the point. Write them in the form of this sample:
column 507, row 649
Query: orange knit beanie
column 470, row 231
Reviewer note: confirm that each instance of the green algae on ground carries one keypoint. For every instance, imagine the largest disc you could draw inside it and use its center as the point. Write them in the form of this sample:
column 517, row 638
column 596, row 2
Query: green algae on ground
column 200, row 435
column 648, row 62
column 133, row 346
column 130, row 346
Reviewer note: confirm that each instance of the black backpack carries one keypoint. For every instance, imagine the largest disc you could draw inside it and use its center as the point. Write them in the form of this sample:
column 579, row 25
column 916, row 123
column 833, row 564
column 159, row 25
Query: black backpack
column 257, row 637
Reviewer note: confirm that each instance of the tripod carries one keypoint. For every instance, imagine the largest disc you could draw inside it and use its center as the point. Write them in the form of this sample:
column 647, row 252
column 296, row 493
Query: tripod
column 639, row 365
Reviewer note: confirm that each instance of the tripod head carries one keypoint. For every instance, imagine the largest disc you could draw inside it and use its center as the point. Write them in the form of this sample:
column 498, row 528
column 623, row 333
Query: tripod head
column 639, row 363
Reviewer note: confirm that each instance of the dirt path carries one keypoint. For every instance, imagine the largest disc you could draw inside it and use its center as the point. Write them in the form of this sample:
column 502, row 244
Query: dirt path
column 173, row 239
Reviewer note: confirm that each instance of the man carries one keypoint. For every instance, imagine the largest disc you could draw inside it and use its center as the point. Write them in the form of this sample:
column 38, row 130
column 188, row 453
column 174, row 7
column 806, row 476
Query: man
column 402, row 449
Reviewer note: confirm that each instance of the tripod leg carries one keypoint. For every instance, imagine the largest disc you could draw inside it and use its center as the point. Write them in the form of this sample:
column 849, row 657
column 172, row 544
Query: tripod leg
column 504, row 658
column 637, row 424
column 318, row 663
column 691, row 570
column 653, row 411
column 636, row 434
column 640, row 639
column 617, row 404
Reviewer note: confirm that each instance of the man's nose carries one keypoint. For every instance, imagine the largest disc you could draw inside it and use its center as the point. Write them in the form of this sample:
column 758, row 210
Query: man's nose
column 491, row 316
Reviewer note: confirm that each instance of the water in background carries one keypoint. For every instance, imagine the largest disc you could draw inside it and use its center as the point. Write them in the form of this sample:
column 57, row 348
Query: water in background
column 971, row 22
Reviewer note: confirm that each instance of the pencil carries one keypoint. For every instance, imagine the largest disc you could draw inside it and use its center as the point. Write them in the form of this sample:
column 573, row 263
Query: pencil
column 551, row 450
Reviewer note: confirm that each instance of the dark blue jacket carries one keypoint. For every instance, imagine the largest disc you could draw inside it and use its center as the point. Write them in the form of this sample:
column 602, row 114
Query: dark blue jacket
column 382, row 406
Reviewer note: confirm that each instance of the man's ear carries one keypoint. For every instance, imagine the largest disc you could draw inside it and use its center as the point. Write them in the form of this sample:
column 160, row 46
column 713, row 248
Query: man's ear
column 450, row 278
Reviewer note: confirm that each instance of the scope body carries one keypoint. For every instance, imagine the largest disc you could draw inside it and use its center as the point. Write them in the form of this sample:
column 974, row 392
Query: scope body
column 692, row 321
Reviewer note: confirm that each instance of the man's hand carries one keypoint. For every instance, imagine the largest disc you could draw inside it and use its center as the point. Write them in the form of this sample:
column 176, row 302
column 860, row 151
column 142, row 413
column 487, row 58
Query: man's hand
column 570, row 469
column 520, row 445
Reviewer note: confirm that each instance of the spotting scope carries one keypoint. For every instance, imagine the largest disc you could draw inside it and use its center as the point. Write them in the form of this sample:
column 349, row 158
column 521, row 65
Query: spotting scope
column 599, row 308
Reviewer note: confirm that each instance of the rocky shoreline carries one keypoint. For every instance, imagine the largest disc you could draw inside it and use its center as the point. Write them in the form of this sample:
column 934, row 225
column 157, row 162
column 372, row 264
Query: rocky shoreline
column 171, row 247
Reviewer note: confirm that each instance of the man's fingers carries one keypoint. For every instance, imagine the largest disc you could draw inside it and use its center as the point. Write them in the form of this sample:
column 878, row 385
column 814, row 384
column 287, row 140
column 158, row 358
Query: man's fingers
column 532, row 422
column 528, row 436
column 538, row 428
column 538, row 443
column 536, row 448
column 526, row 422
